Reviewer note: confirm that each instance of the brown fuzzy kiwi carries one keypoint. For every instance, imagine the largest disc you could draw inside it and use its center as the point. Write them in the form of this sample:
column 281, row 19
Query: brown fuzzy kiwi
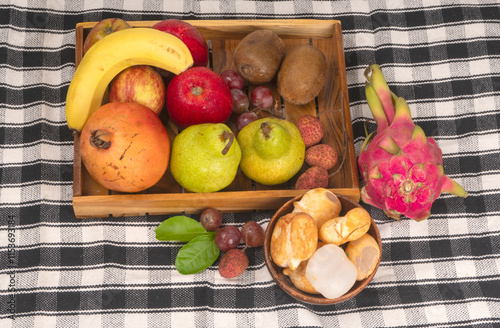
column 302, row 74
column 258, row 56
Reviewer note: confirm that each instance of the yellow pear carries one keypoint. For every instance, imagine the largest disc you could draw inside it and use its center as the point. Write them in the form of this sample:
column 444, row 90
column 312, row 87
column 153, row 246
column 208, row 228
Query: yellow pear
column 272, row 150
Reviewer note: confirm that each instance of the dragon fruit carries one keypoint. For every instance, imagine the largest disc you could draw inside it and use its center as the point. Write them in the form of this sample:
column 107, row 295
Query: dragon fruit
column 402, row 169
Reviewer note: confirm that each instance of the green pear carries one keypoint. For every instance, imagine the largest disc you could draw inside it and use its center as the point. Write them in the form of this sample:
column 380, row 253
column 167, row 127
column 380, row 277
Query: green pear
column 272, row 150
column 205, row 157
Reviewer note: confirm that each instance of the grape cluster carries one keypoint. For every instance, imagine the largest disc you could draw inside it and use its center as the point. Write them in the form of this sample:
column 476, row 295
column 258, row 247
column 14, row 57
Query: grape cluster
column 228, row 237
column 261, row 98
column 235, row 83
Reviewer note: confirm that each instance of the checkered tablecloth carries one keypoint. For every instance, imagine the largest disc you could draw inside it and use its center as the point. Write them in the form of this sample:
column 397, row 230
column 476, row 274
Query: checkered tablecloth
column 58, row 271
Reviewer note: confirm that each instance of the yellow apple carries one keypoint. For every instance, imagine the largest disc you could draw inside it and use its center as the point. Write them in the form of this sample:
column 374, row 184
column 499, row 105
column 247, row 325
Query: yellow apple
column 139, row 84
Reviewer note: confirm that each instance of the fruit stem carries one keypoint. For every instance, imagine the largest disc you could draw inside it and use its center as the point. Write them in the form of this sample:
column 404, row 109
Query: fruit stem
column 266, row 129
column 196, row 91
column 225, row 136
column 97, row 141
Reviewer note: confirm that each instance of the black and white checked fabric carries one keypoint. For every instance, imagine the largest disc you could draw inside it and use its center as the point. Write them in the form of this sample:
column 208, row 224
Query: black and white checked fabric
column 57, row 271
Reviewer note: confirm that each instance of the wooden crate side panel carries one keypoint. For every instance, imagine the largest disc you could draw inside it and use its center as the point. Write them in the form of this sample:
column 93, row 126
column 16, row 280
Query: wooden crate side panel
column 77, row 167
column 332, row 114
column 238, row 29
column 158, row 204
column 300, row 28
column 77, row 159
column 351, row 167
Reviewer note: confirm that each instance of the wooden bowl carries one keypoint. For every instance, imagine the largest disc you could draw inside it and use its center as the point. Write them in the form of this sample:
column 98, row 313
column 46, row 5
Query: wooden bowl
column 284, row 281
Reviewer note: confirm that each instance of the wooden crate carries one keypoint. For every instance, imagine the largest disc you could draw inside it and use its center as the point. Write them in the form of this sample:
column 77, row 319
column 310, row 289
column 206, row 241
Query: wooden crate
column 332, row 107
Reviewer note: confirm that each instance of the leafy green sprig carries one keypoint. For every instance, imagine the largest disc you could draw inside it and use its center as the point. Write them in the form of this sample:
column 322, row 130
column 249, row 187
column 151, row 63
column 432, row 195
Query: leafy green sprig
column 200, row 251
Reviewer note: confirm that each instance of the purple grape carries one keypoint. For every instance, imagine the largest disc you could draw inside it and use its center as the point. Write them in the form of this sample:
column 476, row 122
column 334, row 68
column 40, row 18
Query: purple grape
column 262, row 97
column 245, row 119
column 227, row 237
column 252, row 234
column 211, row 219
column 240, row 101
column 233, row 79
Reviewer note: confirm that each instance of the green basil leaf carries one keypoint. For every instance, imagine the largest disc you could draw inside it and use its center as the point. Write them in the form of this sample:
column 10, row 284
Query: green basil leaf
column 197, row 255
column 180, row 228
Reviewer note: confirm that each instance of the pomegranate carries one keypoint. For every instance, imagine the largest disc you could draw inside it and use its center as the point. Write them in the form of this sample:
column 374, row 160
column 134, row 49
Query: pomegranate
column 125, row 147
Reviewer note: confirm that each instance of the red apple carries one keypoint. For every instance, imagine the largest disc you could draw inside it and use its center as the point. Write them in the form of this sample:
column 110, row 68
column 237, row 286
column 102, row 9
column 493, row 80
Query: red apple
column 140, row 84
column 198, row 95
column 103, row 28
column 189, row 35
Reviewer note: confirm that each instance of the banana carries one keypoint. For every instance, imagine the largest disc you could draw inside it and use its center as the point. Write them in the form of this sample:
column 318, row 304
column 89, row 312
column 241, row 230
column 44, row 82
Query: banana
column 111, row 55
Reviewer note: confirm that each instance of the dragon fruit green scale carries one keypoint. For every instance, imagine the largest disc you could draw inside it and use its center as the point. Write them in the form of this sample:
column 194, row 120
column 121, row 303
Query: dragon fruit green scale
column 401, row 167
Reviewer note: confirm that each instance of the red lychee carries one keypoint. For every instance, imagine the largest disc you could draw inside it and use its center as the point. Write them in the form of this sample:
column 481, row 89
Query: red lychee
column 311, row 129
column 322, row 155
column 314, row 177
column 233, row 263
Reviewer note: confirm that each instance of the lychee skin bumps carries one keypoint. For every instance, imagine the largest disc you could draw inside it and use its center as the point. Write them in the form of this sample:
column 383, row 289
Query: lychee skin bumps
column 322, row 155
column 311, row 129
column 233, row 263
column 314, row 177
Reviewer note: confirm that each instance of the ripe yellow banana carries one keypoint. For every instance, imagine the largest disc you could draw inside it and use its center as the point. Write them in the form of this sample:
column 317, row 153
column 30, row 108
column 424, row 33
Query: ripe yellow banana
column 111, row 55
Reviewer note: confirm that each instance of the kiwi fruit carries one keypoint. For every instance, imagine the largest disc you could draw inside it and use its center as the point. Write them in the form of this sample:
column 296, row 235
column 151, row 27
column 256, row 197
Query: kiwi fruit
column 258, row 56
column 302, row 74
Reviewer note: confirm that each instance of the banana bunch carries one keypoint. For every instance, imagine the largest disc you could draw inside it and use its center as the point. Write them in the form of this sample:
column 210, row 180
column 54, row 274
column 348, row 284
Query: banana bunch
column 111, row 55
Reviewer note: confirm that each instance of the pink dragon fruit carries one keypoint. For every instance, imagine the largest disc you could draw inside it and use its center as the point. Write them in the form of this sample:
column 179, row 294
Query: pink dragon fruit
column 402, row 168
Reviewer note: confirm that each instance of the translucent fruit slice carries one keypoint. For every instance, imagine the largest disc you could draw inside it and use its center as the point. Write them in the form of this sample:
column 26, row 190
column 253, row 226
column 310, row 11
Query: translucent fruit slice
column 330, row 272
